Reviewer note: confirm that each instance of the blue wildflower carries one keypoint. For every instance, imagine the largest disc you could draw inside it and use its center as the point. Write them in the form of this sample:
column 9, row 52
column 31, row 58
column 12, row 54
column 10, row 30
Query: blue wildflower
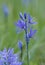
column 7, row 57
column 21, row 24
column 20, row 47
column 31, row 33
column 5, row 10
column 30, row 20
column 20, row 44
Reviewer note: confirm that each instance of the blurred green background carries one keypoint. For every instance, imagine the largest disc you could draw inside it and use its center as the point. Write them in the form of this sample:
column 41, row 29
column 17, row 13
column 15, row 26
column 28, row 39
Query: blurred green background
column 9, row 39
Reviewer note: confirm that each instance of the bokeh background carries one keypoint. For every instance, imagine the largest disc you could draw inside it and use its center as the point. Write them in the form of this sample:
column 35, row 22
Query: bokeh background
column 9, row 39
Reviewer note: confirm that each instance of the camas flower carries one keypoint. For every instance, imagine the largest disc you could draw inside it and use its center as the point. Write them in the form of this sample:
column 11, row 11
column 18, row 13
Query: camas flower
column 7, row 57
column 30, row 20
column 20, row 24
column 20, row 44
column 31, row 33
column 23, row 24
column 5, row 10
column 26, row 17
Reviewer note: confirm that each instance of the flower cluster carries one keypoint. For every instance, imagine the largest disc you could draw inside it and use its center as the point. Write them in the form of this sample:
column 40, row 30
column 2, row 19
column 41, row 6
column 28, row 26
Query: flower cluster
column 7, row 57
column 22, row 24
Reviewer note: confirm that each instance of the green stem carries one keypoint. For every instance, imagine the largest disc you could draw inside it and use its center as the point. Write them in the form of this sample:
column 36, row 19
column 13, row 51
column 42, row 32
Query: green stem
column 27, row 55
column 21, row 54
column 27, row 41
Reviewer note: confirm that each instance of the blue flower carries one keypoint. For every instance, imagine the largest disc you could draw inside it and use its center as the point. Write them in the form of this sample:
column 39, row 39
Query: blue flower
column 30, row 20
column 24, row 23
column 26, row 18
column 21, row 24
column 31, row 33
column 5, row 10
column 20, row 44
column 7, row 57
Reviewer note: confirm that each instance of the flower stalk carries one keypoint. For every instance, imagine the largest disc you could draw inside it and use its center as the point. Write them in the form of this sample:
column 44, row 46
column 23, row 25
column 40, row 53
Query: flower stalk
column 23, row 24
column 27, row 40
column 21, row 53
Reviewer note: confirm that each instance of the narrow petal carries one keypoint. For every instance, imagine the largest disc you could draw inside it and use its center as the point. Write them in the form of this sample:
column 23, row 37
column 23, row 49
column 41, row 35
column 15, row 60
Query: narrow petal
column 31, row 33
column 30, row 20
column 21, row 16
column 25, row 15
